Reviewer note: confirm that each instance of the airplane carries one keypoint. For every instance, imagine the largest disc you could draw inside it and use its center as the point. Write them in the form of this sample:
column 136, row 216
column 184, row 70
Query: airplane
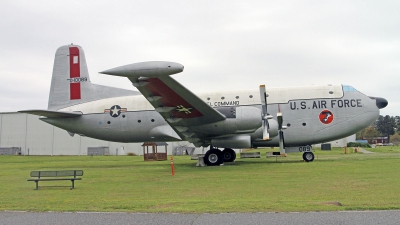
column 291, row 118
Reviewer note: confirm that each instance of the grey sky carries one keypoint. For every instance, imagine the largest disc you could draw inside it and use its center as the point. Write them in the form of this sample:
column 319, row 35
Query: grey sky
column 222, row 44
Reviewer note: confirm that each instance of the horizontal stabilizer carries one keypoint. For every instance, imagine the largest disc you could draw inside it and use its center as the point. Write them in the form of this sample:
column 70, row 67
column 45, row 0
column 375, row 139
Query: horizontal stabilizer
column 52, row 114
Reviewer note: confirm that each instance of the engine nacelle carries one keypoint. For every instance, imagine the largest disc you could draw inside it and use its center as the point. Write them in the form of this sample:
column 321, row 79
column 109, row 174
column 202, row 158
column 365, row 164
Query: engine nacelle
column 240, row 120
column 242, row 141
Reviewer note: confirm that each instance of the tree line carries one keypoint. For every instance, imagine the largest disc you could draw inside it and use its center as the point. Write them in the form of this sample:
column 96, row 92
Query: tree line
column 384, row 126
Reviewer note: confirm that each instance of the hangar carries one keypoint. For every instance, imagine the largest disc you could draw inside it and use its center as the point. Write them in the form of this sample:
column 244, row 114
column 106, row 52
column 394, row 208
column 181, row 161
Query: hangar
column 35, row 137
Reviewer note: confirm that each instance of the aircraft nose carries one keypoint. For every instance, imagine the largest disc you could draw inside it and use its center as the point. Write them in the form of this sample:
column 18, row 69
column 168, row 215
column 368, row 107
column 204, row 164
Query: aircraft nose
column 381, row 102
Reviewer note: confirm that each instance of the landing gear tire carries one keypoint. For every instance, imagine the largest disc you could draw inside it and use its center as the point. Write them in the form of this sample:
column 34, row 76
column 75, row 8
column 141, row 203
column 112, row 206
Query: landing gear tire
column 228, row 155
column 213, row 157
column 308, row 156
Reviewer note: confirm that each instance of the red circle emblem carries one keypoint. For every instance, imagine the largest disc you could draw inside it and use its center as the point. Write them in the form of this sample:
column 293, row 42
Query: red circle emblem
column 326, row 117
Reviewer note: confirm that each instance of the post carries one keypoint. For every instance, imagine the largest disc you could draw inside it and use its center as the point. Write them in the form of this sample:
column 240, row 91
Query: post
column 172, row 166
column 52, row 143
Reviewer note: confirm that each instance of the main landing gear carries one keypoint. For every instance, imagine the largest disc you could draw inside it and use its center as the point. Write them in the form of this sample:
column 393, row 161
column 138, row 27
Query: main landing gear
column 215, row 157
column 308, row 156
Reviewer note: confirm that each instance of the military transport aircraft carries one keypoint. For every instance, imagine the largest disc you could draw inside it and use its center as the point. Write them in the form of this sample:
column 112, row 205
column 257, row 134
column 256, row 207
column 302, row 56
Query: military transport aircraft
column 164, row 110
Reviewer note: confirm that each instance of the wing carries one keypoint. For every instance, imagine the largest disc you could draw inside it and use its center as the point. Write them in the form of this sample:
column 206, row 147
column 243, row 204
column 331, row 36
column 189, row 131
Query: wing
column 52, row 114
column 177, row 105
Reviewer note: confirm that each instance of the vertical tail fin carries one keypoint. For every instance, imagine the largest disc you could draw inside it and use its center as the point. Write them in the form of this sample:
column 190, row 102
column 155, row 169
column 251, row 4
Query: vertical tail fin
column 70, row 84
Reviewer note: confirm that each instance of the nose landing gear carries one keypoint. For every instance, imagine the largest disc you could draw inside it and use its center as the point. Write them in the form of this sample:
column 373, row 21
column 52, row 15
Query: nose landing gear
column 308, row 156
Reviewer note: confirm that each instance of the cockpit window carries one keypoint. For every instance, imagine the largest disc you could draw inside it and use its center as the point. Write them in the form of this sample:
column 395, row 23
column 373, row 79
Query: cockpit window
column 347, row 88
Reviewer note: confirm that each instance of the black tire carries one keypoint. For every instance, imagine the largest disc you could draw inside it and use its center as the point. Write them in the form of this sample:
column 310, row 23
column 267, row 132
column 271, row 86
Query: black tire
column 308, row 156
column 213, row 157
column 228, row 155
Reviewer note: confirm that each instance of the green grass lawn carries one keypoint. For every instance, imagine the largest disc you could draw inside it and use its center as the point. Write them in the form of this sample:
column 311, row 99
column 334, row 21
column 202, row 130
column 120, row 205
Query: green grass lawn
column 127, row 184
column 385, row 149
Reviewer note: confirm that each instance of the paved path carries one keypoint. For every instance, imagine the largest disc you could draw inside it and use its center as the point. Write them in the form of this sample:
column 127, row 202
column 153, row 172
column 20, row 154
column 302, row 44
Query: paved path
column 348, row 217
column 365, row 151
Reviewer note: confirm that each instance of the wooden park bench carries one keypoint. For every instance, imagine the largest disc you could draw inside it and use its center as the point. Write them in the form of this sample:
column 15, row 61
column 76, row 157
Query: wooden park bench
column 71, row 175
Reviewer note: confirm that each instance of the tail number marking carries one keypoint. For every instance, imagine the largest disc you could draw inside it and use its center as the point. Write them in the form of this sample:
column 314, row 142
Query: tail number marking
column 77, row 79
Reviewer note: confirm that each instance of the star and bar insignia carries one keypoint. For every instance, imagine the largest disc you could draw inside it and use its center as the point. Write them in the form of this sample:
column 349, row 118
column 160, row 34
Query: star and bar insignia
column 115, row 110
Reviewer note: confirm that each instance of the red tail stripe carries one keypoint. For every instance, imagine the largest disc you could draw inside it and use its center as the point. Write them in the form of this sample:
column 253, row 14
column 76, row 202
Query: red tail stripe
column 75, row 71
column 75, row 89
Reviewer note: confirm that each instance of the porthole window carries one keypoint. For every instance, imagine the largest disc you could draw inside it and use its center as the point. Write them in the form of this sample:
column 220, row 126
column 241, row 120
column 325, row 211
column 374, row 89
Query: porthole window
column 123, row 116
column 208, row 98
column 139, row 121
column 251, row 96
column 222, row 98
column 108, row 122
column 237, row 97
column 331, row 92
column 304, row 124
column 152, row 120
column 288, row 125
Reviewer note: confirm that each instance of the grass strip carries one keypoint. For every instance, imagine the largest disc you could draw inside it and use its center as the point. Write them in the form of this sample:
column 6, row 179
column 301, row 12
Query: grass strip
column 128, row 184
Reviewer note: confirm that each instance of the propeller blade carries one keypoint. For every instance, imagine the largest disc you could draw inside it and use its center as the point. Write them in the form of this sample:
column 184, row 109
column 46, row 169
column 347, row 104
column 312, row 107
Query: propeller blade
column 281, row 143
column 265, row 130
column 279, row 116
column 263, row 97
column 265, row 125
column 280, row 120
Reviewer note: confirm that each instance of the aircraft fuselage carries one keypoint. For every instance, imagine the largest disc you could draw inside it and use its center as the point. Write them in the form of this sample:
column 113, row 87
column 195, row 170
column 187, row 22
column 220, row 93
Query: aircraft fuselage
column 312, row 114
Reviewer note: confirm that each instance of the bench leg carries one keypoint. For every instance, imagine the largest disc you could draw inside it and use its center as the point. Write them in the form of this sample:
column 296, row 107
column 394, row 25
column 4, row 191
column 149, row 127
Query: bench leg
column 37, row 184
column 73, row 184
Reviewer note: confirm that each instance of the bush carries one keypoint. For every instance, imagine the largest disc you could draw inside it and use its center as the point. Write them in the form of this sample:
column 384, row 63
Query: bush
column 131, row 154
column 358, row 144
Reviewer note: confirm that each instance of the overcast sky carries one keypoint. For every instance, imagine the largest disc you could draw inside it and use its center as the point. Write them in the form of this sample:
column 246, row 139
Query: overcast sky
column 222, row 44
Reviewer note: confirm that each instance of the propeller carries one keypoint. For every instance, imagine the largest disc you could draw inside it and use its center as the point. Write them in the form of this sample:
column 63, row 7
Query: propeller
column 265, row 115
column 279, row 116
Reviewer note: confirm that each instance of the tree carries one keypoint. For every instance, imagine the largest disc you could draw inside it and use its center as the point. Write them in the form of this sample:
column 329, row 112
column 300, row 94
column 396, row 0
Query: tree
column 395, row 139
column 371, row 133
column 360, row 134
column 397, row 120
column 386, row 125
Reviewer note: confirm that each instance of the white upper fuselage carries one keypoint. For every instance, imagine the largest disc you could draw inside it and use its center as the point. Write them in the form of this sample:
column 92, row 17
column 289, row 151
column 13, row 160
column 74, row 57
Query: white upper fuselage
column 279, row 95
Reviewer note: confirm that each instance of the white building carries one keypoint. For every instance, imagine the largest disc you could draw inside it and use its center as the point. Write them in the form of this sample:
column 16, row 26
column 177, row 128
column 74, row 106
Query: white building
column 340, row 143
column 36, row 137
